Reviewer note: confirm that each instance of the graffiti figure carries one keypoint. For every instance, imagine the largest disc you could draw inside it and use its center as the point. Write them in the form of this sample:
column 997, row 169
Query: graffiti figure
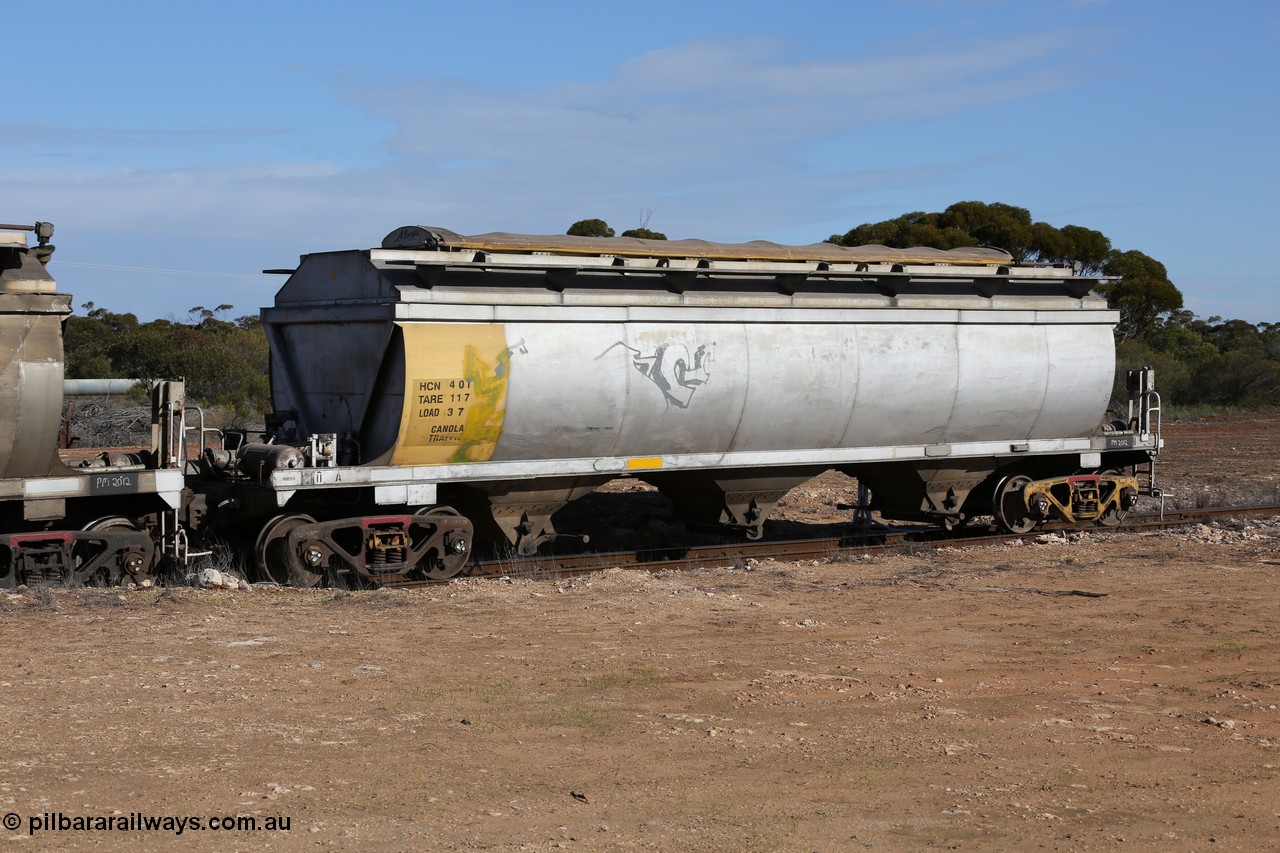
column 672, row 368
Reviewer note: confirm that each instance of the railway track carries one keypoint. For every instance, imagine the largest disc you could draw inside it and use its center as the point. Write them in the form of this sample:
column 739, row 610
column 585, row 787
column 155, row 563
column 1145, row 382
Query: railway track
column 877, row 540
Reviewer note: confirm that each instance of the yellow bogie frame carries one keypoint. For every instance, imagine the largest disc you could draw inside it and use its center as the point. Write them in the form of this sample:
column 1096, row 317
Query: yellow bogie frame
column 1104, row 498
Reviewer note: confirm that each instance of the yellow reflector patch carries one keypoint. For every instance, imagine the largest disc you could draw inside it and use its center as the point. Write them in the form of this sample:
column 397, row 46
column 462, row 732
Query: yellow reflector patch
column 644, row 462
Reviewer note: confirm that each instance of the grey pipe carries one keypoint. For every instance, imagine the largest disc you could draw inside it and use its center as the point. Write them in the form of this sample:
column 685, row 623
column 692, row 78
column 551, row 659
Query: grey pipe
column 98, row 387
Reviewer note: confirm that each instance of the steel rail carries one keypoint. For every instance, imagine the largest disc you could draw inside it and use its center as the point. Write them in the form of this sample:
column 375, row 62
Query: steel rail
column 882, row 540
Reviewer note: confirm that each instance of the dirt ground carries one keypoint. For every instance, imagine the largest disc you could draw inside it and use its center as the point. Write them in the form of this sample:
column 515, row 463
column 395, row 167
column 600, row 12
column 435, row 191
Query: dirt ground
column 1091, row 692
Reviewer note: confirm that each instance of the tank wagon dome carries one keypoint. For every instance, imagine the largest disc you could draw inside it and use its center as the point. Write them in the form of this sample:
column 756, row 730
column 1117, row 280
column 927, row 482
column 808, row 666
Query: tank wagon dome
column 433, row 238
column 22, row 268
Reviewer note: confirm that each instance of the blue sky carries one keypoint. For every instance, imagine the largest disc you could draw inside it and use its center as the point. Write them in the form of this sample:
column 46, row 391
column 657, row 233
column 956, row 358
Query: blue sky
column 182, row 148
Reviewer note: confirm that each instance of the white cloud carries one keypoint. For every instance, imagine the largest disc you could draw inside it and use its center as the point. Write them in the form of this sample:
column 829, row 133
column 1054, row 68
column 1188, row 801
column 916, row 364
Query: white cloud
column 700, row 101
column 715, row 135
column 722, row 121
column 55, row 140
column 707, row 124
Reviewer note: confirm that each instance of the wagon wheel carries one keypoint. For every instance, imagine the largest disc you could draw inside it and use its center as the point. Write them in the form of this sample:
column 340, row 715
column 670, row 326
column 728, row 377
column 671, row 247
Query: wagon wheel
column 1114, row 515
column 275, row 562
column 436, row 566
column 1008, row 506
column 134, row 567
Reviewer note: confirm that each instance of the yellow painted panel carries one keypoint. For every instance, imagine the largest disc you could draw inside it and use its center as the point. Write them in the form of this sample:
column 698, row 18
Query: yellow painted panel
column 641, row 462
column 455, row 392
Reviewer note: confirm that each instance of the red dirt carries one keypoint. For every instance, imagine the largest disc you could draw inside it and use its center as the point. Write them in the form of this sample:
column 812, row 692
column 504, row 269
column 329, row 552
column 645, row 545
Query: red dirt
column 1092, row 692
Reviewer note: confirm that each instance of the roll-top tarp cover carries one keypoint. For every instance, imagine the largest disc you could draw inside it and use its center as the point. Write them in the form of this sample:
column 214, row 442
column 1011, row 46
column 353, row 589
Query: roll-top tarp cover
column 442, row 239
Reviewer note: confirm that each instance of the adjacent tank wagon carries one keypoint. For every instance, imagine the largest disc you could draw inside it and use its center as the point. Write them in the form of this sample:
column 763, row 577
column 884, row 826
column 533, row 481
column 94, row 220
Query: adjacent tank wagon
column 443, row 382
column 109, row 520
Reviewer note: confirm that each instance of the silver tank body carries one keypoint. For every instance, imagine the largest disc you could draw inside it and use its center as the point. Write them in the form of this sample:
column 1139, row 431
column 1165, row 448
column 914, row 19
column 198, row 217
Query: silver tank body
column 616, row 358
column 624, row 389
